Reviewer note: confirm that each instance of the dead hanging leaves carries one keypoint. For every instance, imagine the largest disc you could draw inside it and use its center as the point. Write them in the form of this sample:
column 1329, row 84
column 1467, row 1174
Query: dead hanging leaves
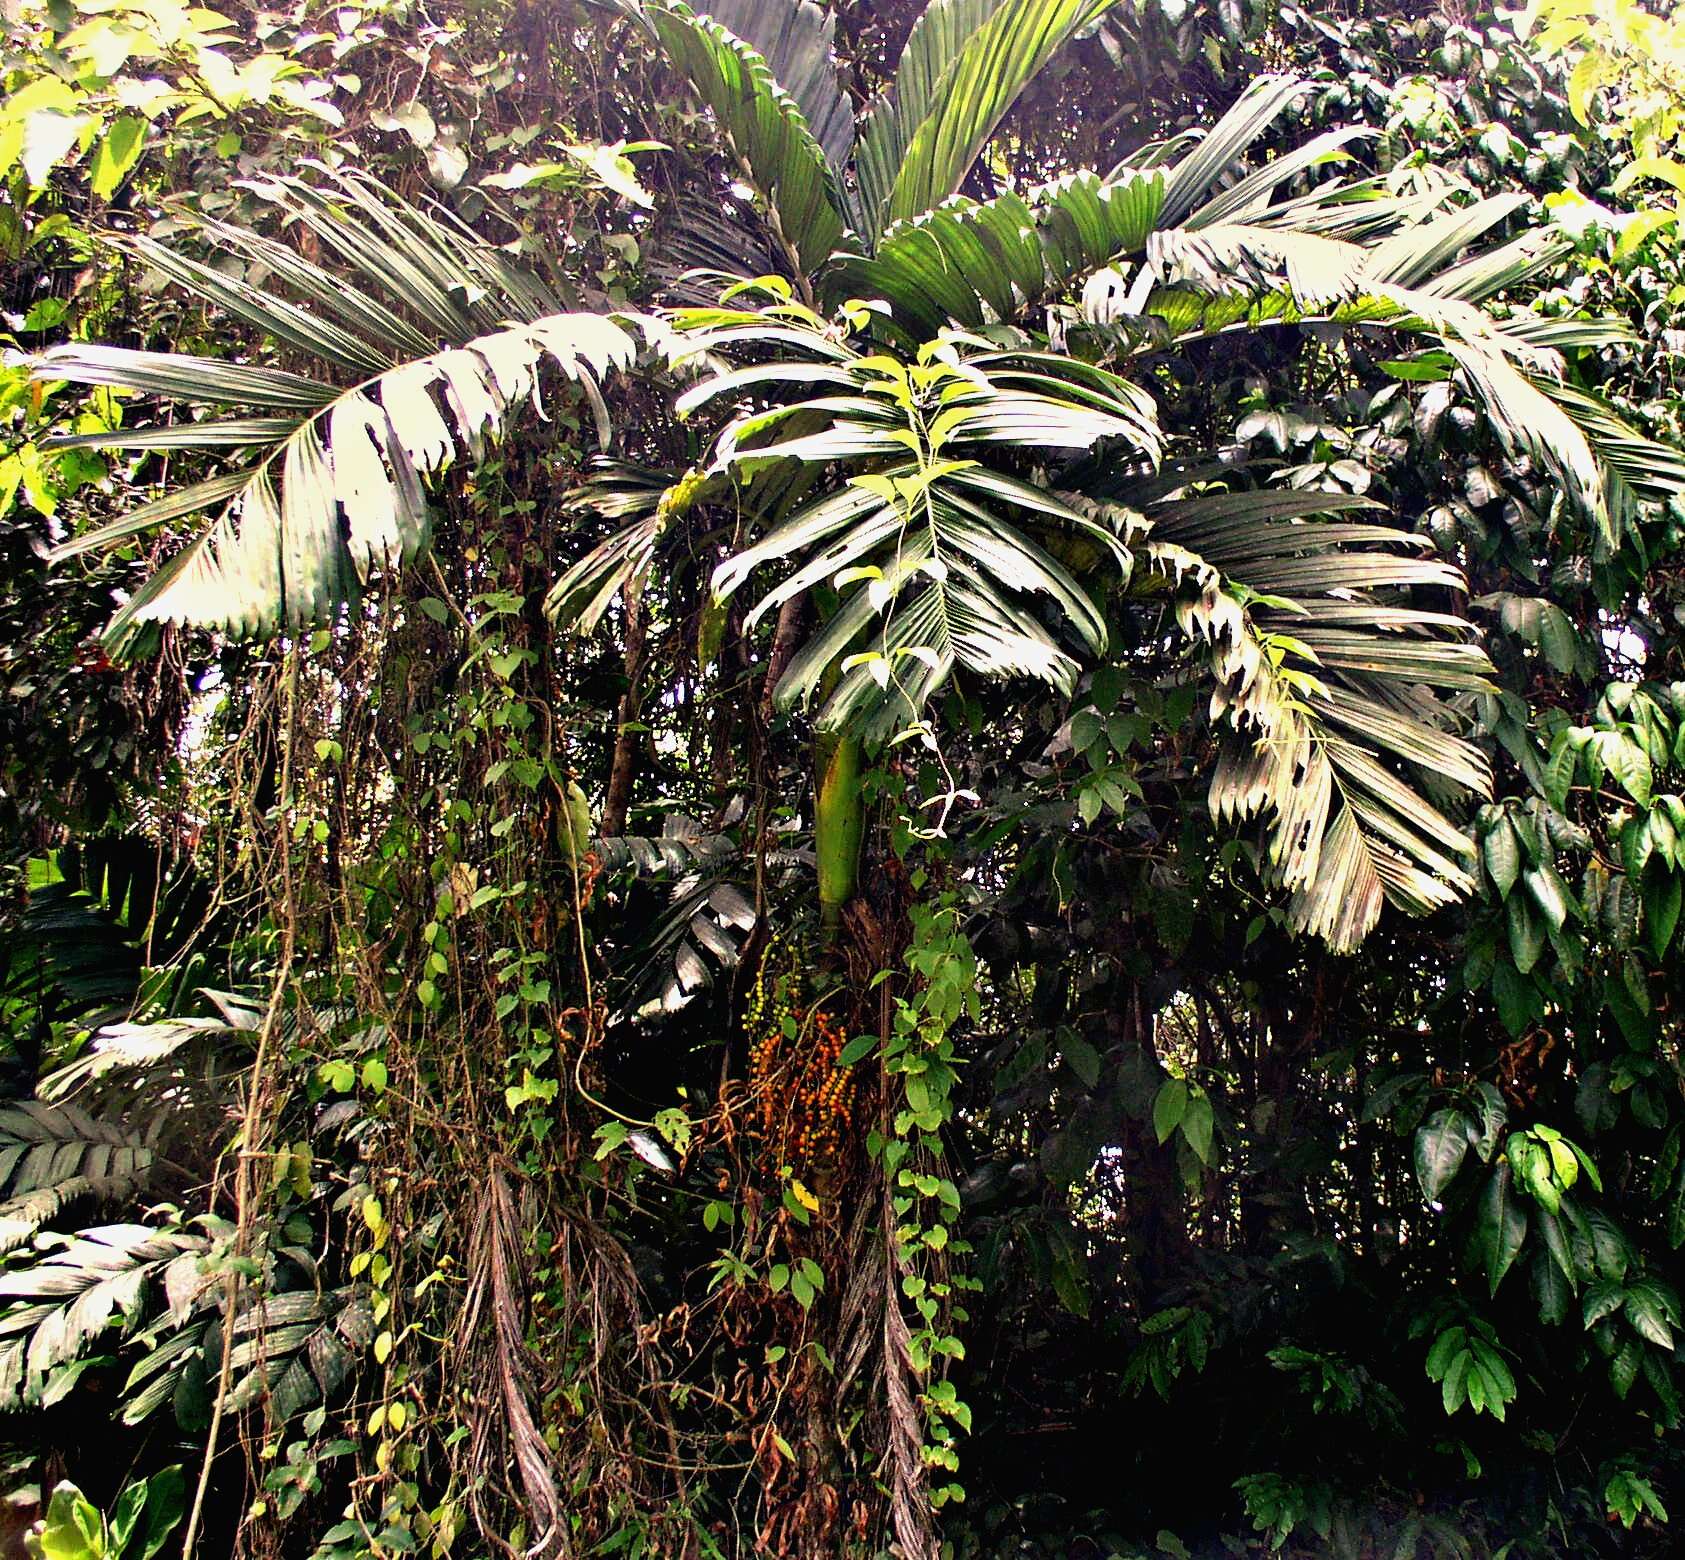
column 491, row 1348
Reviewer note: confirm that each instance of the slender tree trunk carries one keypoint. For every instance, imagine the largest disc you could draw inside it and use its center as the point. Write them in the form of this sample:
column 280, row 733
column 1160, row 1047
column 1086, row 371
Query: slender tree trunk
column 792, row 618
column 1154, row 1214
column 624, row 765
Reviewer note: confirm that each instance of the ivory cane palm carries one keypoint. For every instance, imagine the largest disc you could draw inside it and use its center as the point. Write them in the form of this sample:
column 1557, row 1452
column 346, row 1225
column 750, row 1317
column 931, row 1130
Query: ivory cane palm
column 967, row 492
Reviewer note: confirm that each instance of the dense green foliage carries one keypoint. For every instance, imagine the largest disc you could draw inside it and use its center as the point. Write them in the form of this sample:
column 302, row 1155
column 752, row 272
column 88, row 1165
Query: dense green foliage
column 841, row 780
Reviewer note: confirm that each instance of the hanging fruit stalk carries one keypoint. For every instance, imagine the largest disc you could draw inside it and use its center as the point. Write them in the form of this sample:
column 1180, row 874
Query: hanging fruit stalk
column 839, row 821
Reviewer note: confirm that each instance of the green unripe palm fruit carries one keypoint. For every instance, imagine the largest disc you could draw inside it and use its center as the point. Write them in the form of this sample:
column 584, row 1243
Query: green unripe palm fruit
column 573, row 824
column 839, row 820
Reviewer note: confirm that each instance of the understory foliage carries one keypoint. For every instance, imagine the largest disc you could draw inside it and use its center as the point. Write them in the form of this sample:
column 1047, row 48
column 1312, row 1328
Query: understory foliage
column 843, row 780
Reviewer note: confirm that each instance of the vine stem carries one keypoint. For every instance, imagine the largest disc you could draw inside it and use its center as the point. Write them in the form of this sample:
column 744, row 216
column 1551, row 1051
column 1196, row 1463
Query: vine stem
column 243, row 1201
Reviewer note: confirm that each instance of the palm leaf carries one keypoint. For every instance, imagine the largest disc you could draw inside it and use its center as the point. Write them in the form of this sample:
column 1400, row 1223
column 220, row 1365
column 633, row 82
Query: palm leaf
column 332, row 486
column 976, row 262
column 938, row 35
column 55, row 1157
column 1317, row 672
column 66, row 1300
column 349, row 500
column 588, row 587
column 973, row 94
column 1193, row 176
column 765, row 125
column 942, row 550
column 796, row 38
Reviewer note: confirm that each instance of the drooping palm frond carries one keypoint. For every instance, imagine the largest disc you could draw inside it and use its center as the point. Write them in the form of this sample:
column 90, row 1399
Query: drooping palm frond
column 67, row 1299
column 974, row 262
column 144, row 1290
column 1636, row 468
column 708, row 236
column 966, row 261
column 635, row 496
column 136, row 1048
column 703, row 927
column 708, row 917
column 290, row 1351
column 331, row 485
column 1325, row 679
column 683, row 845
column 778, row 153
column 81, row 942
column 1175, row 248
column 1236, row 278
column 294, row 1349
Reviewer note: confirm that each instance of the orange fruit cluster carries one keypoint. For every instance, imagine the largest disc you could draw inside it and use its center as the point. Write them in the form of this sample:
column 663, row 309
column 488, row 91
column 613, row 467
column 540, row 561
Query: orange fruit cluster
column 804, row 1094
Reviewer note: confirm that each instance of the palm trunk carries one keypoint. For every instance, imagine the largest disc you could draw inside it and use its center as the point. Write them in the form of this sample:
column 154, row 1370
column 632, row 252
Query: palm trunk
column 838, row 824
column 618, row 802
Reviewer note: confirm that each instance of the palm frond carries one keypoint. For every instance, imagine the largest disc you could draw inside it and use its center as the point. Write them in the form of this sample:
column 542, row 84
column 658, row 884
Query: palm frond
column 341, row 494
column 297, row 1348
column 279, row 554
column 933, row 133
column 933, row 43
column 1323, row 681
column 683, row 845
column 65, row 1301
column 703, row 928
column 61, row 1152
column 780, row 156
column 291, row 1351
column 796, row 39
column 978, row 262
column 133, row 1047
column 329, row 485
column 1192, row 177
column 1240, row 277
column 938, row 546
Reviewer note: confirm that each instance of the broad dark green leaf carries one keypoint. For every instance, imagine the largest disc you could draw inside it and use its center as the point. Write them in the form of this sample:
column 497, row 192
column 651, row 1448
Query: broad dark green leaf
column 1442, row 1141
column 1551, row 1291
column 1501, row 851
column 1500, row 1226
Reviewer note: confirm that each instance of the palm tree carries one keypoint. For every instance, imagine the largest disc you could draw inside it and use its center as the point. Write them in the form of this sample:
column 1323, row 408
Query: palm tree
column 936, row 417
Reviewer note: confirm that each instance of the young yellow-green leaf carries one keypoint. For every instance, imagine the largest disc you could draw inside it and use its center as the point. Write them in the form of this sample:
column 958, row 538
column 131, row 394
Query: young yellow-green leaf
column 73, row 1529
column 118, row 151
column 1588, row 75
column 1169, row 1108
